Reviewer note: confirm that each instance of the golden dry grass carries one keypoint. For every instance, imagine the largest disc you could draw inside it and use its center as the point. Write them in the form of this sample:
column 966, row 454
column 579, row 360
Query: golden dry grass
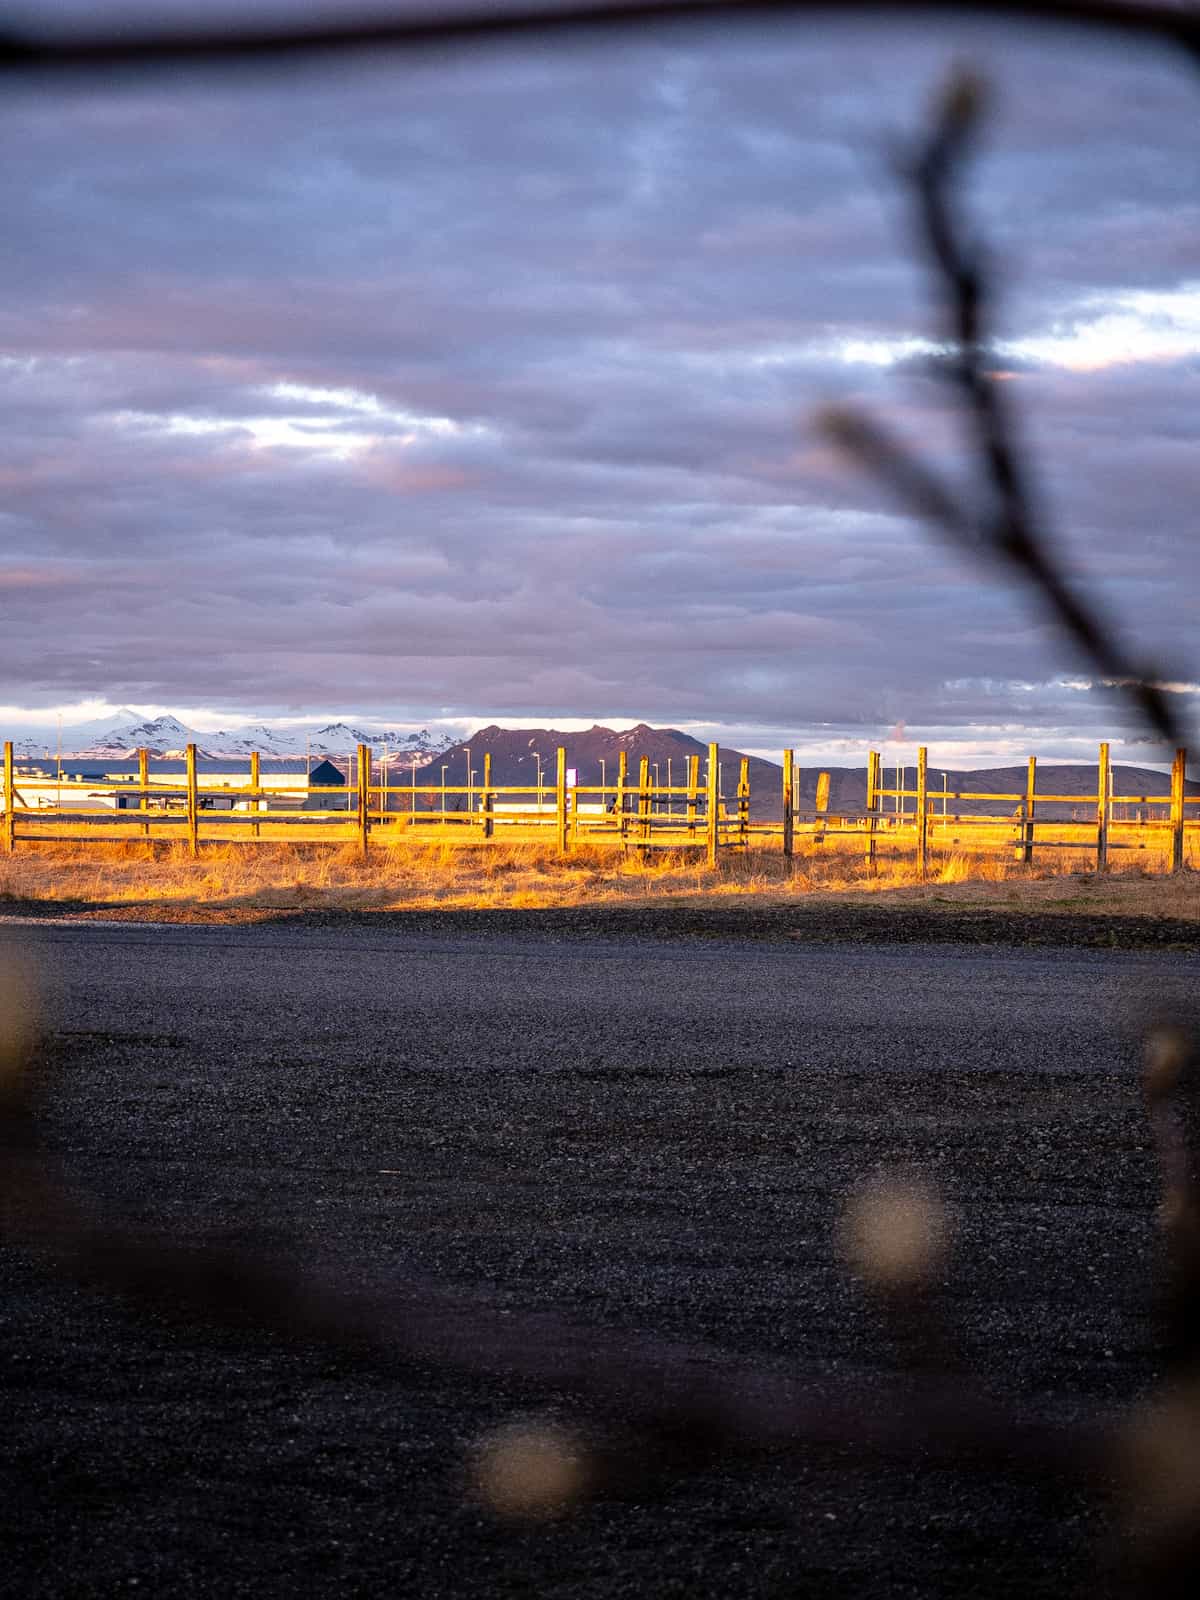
column 270, row 878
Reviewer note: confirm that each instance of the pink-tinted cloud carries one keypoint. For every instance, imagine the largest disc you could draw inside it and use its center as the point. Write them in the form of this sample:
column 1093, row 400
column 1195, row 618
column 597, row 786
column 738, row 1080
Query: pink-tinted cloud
column 499, row 372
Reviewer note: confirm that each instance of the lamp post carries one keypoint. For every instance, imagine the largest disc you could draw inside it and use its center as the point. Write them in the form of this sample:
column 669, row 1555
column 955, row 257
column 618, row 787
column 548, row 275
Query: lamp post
column 444, row 765
column 413, row 806
column 538, row 758
column 470, row 798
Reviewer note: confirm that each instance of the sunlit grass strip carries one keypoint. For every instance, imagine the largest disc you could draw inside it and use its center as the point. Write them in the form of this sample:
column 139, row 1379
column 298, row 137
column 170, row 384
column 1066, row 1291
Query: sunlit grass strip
column 530, row 875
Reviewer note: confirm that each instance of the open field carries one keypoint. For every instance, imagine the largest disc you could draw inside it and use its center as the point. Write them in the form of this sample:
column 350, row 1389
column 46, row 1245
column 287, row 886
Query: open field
column 653, row 1140
column 236, row 882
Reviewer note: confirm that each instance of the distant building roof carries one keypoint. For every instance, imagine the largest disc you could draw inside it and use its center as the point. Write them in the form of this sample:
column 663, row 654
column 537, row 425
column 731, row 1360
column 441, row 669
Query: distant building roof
column 106, row 766
column 325, row 776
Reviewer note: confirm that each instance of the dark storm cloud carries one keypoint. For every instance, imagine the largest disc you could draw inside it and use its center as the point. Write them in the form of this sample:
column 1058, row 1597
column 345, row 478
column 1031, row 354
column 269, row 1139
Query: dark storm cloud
column 484, row 386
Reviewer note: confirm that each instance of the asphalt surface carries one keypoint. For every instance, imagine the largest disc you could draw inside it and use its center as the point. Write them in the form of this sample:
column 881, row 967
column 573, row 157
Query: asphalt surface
column 644, row 1134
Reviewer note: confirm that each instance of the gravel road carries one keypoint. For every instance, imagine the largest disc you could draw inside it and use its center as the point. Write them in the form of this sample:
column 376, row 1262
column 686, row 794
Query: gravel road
column 644, row 1133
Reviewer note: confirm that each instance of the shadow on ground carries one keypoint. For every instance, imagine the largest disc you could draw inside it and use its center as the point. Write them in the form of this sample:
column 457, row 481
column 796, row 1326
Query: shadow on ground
column 890, row 917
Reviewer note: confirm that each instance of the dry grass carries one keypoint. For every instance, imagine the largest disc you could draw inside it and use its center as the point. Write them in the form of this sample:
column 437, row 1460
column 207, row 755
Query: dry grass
column 271, row 878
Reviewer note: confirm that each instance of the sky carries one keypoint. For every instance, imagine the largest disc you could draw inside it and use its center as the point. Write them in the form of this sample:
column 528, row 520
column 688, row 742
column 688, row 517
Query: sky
column 482, row 387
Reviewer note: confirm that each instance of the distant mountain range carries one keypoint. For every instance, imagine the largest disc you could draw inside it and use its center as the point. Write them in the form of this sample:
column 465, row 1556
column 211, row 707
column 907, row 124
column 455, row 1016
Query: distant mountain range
column 595, row 754
column 123, row 734
column 420, row 757
column 595, row 757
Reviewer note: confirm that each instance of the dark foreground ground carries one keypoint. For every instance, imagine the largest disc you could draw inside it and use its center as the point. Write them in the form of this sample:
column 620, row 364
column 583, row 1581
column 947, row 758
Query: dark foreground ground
column 648, row 1135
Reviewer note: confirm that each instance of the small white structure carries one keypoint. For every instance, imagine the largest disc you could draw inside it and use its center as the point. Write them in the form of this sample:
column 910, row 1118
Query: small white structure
column 90, row 786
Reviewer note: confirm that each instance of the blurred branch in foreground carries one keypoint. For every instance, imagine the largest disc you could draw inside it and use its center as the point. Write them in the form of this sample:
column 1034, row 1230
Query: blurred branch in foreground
column 646, row 1414
column 423, row 29
column 664, row 1419
column 650, row 1413
column 661, row 1409
column 1000, row 522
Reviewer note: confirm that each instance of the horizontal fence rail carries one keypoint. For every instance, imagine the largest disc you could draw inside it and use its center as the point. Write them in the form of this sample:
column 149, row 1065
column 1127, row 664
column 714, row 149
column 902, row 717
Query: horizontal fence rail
column 635, row 812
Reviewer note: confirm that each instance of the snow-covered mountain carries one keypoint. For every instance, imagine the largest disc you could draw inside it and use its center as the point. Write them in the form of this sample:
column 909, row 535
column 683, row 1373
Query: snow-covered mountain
column 334, row 739
column 126, row 732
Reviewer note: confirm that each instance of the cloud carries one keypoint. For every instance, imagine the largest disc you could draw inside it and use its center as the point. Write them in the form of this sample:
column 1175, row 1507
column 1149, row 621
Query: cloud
column 481, row 385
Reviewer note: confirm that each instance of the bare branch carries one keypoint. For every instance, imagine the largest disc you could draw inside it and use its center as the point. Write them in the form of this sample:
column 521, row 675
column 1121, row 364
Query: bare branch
column 1006, row 524
column 881, row 453
column 130, row 47
column 1171, row 1083
column 671, row 1419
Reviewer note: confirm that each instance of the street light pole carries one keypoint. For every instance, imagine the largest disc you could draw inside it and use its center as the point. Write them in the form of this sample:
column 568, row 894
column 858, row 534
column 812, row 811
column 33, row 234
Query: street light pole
column 470, row 797
column 444, row 765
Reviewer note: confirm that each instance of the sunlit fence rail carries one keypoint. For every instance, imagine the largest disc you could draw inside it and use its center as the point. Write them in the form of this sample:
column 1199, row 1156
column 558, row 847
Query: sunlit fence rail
column 1162, row 821
column 634, row 813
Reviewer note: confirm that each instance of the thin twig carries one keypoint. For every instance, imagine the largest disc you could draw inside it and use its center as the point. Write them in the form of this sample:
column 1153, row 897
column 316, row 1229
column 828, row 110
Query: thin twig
column 130, row 46
column 679, row 1407
column 1004, row 524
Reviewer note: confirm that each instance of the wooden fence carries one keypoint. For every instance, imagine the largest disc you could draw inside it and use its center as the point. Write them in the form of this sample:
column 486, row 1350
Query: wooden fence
column 633, row 813
column 1168, row 830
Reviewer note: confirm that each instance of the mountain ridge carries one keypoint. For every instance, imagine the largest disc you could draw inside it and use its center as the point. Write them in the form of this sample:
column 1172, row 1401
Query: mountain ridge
column 123, row 734
column 515, row 753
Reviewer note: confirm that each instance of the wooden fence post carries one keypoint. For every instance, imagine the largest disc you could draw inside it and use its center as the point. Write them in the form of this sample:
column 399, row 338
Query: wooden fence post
column 143, row 759
column 873, row 786
column 364, row 798
column 643, row 807
column 255, row 781
column 622, row 780
column 488, row 797
column 1102, row 812
column 560, row 803
column 713, row 804
column 693, row 794
column 743, row 803
column 193, row 802
column 1178, row 790
column 1030, row 805
column 822, row 806
column 789, row 816
column 10, row 816
column 922, row 811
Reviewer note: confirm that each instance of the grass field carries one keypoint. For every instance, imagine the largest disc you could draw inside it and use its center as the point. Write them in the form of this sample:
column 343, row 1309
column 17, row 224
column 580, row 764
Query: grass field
column 273, row 877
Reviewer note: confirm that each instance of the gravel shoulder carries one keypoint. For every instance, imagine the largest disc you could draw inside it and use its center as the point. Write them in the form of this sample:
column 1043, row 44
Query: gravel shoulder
column 647, row 1134
column 757, row 919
